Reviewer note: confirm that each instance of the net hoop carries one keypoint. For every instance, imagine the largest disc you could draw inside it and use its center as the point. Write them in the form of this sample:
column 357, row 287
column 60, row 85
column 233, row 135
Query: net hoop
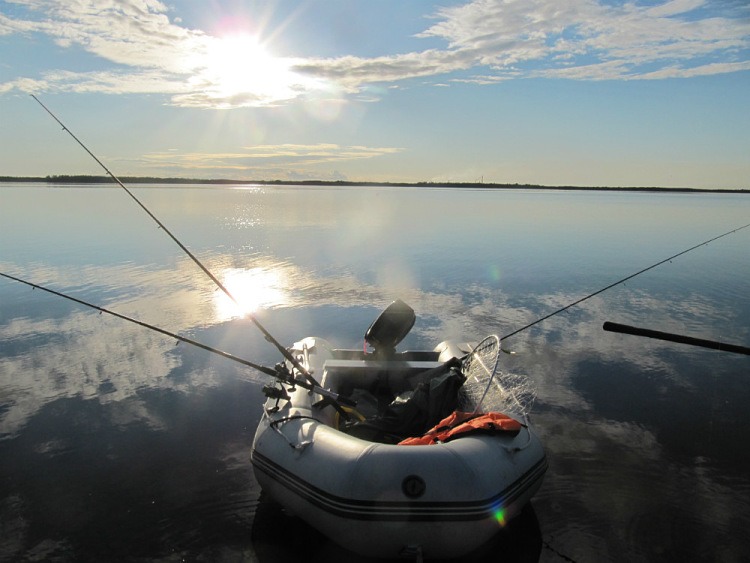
column 479, row 368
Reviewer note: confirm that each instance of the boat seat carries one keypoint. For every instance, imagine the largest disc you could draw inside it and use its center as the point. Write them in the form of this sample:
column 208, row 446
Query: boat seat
column 343, row 376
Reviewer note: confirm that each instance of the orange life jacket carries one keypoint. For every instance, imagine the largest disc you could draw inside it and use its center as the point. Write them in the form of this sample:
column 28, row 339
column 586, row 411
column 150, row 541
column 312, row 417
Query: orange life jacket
column 460, row 423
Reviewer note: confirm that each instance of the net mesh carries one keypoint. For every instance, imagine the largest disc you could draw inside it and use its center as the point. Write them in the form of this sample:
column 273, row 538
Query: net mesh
column 489, row 389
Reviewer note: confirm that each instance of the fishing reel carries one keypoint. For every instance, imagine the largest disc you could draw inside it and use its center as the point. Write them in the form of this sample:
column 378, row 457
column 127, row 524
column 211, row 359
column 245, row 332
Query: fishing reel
column 277, row 391
column 272, row 391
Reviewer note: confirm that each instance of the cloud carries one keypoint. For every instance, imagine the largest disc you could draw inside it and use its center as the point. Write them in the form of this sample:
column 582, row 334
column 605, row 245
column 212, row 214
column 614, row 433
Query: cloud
column 582, row 40
column 265, row 161
column 485, row 41
column 551, row 39
column 148, row 53
column 354, row 72
column 705, row 70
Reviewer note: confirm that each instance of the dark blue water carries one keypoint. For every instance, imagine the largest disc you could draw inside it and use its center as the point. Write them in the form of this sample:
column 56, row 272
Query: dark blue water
column 117, row 444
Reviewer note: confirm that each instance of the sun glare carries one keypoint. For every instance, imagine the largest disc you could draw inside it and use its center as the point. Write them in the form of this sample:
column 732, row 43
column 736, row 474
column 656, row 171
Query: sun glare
column 252, row 288
column 240, row 67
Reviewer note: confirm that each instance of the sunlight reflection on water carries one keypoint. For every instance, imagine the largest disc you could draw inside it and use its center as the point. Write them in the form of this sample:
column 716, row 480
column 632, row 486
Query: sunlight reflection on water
column 250, row 289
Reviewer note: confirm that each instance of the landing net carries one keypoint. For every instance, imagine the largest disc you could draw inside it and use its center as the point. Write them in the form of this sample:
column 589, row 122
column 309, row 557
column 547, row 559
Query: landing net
column 489, row 389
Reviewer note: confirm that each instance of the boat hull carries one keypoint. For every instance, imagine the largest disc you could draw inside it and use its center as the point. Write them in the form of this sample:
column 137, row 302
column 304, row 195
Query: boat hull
column 382, row 500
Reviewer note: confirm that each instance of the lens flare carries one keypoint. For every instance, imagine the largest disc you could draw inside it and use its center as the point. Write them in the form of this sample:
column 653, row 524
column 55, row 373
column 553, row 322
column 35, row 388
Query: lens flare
column 499, row 514
column 494, row 272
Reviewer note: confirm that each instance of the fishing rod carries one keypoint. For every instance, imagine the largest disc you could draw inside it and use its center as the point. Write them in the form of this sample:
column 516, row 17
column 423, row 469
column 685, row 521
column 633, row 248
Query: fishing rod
column 279, row 373
column 679, row 338
column 284, row 352
column 623, row 280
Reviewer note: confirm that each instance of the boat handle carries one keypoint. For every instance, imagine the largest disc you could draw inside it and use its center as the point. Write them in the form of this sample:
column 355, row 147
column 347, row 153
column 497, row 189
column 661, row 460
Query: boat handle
column 528, row 440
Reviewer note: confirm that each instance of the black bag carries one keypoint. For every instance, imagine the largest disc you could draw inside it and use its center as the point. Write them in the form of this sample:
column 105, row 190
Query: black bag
column 414, row 412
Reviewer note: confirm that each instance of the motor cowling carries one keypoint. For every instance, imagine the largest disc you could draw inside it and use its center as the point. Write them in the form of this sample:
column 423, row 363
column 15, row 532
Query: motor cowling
column 390, row 328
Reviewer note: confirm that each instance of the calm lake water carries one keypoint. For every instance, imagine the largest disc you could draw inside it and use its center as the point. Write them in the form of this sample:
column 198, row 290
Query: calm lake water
column 116, row 444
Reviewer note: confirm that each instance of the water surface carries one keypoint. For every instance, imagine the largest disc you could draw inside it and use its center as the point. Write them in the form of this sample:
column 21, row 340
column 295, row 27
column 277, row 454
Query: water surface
column 115, row 443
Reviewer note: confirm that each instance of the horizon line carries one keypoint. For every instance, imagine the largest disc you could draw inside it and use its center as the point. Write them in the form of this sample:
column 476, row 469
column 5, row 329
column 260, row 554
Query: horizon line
column 101, row 179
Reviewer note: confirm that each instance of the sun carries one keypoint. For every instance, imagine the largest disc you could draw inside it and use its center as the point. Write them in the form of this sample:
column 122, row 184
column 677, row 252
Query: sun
column 240, row 67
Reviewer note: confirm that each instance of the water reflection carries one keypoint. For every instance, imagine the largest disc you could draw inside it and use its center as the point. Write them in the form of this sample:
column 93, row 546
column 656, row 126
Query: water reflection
column 252, row 289
column 115, row 442
column 91, row 482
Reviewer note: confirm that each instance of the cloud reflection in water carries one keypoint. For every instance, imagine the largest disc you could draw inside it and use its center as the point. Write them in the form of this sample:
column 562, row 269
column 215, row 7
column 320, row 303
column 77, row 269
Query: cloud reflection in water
column 641, row 434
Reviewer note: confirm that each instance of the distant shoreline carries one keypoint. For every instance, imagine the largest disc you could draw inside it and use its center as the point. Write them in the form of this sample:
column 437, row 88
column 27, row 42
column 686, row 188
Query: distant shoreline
column 85, row 179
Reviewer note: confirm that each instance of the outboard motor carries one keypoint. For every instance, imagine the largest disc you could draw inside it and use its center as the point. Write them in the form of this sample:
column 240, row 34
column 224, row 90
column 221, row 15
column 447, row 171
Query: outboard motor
column 390, row 328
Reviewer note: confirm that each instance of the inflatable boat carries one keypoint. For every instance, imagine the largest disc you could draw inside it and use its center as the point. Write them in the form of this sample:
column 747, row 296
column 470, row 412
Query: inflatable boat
column 382, row 456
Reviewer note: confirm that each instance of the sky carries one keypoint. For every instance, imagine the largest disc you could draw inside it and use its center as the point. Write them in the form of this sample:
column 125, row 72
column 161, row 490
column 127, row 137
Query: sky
column 549, row 92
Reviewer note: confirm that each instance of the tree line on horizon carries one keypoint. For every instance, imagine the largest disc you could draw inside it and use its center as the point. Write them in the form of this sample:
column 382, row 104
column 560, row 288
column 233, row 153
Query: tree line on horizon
column 93, row 179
